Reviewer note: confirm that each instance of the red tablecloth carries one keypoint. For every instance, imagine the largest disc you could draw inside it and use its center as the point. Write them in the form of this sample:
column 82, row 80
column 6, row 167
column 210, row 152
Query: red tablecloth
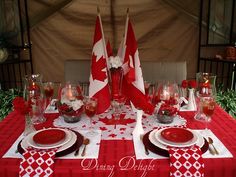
column 114, row 154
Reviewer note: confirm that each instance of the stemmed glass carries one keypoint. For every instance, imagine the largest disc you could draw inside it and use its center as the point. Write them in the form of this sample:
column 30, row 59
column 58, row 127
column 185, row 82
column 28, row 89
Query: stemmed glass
column 90, row 109
column 48, row 88
column 206, row 94
column 149, row 90
column 207, row 105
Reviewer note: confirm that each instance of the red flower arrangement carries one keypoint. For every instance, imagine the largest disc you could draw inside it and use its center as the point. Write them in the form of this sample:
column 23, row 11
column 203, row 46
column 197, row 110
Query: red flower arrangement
column 65, row 109
column 168, row 110
column 21, row 106
column 189, row 84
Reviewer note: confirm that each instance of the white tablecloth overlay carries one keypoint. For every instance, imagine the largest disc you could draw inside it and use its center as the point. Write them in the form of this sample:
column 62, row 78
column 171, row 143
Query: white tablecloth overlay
column 119, row 131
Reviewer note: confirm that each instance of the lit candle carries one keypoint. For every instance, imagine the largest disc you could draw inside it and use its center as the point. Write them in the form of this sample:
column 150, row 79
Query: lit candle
column 70, row 94
column 165, row 95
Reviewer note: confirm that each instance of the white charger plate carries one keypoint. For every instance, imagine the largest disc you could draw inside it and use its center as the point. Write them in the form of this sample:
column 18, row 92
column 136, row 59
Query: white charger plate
column 70, row 139
column 200, row 140
column 175, row 144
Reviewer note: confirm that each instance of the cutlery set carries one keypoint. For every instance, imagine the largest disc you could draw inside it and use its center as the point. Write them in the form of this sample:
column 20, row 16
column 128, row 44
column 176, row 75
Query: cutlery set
column 85, row 143
column 212, row 148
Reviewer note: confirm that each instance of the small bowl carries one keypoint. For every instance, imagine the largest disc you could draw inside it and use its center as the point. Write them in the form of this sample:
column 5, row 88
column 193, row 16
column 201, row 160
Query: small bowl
column 165, row 119
column 71, row 119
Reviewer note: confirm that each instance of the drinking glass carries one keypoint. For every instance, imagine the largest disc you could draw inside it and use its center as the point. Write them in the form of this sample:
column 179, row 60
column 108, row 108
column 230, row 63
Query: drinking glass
column 207, row 107
column 149, row 90
column 48, row 88
column 90, row 109
column 205, row 89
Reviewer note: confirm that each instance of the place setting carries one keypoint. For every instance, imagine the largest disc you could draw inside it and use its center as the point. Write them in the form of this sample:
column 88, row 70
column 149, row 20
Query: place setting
column 70, row 144
column 171, row 131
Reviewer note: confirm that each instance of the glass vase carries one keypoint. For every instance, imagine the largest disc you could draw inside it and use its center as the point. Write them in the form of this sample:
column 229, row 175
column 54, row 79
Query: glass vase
column 29, row 127
column 116, row 82
column 33, row 94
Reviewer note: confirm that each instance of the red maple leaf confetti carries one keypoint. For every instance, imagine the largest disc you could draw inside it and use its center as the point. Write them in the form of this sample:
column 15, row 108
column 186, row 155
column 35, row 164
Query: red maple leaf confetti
column 98, row 67
column 103, row 128
column 120, row 121
column 122, row 129
column 112, row 135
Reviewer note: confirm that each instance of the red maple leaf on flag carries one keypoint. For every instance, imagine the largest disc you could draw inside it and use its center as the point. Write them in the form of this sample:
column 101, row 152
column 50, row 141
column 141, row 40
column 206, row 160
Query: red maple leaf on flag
column 98, row 67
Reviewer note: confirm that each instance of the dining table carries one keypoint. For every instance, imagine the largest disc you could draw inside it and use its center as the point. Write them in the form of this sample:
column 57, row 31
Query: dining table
column 117, row 156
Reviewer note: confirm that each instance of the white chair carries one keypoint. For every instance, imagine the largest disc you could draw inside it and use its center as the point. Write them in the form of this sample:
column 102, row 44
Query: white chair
column 164, row 71
column 153, row 71
column 78, row 71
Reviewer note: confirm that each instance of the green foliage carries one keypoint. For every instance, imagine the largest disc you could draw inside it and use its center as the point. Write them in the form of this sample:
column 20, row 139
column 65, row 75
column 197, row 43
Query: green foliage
column 227, row 100
column 6, row 98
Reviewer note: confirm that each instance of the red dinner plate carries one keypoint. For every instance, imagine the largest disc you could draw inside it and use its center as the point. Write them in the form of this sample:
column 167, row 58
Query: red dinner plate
column 177, row 135
column 49, row 136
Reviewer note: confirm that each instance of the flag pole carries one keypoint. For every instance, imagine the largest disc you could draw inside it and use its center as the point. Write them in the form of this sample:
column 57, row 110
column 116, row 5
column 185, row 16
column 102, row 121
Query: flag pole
column 103, row 38
column 104, row 44
column 126, row 25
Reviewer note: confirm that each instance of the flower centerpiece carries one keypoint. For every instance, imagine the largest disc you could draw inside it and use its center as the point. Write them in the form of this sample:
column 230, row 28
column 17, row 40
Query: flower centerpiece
column 70, row 105
column 166, row 113
column 116, row 73
column 167, row 93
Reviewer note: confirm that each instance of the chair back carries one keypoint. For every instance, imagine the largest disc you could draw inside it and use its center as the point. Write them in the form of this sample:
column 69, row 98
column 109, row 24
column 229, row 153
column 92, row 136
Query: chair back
column 164, row 71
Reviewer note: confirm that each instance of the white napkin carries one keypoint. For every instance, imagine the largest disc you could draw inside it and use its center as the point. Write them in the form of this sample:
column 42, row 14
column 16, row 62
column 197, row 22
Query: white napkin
column 138, row 127
column 223, row 151
column 185, row 107
column 51, row 108
column 92, row 149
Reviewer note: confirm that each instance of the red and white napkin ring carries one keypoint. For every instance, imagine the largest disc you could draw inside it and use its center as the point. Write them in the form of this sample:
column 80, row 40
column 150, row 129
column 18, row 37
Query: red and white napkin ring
column 37, row 162
column 186, row 162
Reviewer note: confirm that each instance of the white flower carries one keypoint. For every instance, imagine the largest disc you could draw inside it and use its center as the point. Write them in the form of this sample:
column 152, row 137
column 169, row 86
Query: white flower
column 115, row 62
column 75, row 104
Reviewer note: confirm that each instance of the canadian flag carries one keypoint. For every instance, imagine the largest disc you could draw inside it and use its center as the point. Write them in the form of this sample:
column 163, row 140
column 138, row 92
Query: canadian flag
column 109, row 49
column 133, row 85
column 98, row 86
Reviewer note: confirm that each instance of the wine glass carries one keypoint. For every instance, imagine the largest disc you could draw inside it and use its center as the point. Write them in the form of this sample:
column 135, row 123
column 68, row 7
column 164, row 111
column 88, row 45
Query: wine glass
column 90, row 109
column 149, row 90
column 48, row 88
column 207, row 107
